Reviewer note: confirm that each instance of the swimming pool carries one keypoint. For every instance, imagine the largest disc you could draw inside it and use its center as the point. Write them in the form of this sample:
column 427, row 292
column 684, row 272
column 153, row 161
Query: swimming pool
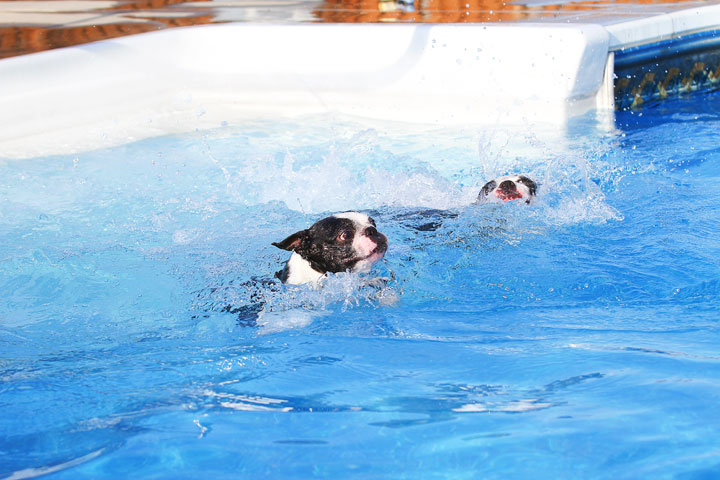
column 574, row 338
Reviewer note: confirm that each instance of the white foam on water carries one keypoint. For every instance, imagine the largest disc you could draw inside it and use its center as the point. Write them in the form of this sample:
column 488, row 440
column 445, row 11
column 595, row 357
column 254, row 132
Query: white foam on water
column 338, row 169
column 298, row 306
column 337, row 181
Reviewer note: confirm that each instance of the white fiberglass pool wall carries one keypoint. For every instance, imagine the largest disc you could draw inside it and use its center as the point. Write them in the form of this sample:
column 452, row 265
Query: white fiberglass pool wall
column 185, row 79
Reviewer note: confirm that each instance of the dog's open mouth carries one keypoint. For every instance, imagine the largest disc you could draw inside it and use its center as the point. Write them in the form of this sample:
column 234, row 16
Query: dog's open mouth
column 507, row 195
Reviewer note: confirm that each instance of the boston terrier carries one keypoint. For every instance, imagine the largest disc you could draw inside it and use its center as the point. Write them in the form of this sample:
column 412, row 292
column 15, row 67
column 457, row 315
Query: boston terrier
column 505, row 189
column 502, row 189
column 342, row 242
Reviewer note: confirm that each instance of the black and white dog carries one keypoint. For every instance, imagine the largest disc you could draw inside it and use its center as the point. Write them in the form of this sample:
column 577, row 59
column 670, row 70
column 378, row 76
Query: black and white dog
column 501, row 189
column 344, row 242
column 507, row 188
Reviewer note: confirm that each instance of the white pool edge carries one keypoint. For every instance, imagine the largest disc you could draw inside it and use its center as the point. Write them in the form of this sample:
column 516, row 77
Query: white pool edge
column 663, row 26
column 112, row 92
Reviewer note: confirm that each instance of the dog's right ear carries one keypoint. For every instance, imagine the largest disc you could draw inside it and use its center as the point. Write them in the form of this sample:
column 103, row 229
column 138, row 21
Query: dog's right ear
column 292, row 242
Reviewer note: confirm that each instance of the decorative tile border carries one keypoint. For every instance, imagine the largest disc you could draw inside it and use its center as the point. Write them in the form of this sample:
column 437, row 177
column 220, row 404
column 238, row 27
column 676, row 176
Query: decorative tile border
column 649, row 73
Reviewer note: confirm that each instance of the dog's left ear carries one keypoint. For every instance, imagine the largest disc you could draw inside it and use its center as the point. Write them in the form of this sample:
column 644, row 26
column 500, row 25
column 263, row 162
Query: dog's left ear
column 292, row 242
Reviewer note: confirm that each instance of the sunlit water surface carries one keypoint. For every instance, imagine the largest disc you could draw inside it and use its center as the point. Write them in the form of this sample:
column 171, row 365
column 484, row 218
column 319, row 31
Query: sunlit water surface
column 573, row 338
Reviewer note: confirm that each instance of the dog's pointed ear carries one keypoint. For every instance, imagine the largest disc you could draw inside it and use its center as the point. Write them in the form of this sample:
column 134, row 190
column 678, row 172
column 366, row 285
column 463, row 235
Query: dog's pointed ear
column 292, row 242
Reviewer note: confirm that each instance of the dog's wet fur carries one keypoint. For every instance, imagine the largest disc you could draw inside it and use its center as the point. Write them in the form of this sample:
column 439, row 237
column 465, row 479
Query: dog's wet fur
column 344, row 242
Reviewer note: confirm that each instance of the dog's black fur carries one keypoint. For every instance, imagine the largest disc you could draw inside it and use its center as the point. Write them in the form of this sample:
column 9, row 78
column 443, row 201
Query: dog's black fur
column 342, row 242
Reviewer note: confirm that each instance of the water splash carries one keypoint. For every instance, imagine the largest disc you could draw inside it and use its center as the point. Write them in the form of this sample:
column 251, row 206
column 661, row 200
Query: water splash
column 272, row 307
column 368, row 168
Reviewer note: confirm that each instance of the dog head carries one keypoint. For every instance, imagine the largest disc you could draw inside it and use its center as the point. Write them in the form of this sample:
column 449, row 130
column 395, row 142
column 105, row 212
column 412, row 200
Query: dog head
column 511, row 187
column 342, row 242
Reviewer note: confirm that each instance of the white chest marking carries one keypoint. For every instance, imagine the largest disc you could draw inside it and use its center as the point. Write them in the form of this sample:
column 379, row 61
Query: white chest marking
column 300, row 271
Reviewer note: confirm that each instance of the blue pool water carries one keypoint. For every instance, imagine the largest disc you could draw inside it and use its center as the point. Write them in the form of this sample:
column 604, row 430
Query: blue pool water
column 574, row 338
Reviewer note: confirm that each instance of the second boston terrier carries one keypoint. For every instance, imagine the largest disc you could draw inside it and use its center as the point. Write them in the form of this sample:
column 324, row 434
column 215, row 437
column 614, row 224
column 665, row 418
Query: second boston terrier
column 505, row 189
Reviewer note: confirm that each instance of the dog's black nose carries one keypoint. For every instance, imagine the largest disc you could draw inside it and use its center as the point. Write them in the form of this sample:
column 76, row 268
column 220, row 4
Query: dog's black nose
column 371, row 232
column 507, row 186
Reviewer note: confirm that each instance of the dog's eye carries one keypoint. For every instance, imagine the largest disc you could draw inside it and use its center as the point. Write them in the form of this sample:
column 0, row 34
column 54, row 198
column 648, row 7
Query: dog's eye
column 344, row 236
